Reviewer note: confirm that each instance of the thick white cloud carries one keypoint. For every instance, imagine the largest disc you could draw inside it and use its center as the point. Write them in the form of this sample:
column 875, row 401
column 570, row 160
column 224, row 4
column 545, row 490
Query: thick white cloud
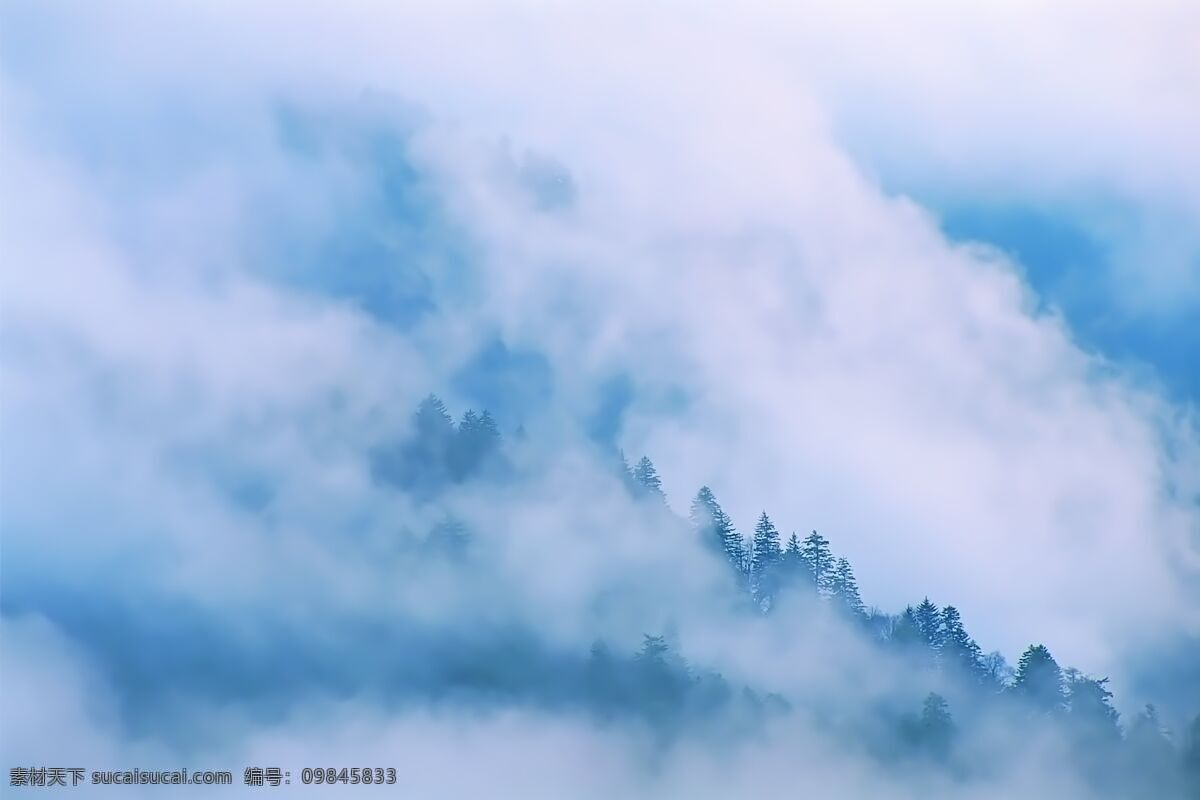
column 848, row 368
column 1087, row 110
column 51, row 689
column 843, row 366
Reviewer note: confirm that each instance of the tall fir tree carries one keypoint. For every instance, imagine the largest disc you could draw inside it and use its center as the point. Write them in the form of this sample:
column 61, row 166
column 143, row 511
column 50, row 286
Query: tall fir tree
column 764, row 559
column 1039, row 680
column 476, row 445
column 792, row 550
column 660, row 680
column 422, row 463
column 624, row 473
column 715, row 528
column 702, row 513
column 792, row 569
column 653, row 651
column 845, row 589
column 929, row 621
column 959, row 652
column 646, row 477
column 936, row 727
column 488, row 427
column 1094, row 723
column 432, row 422
column 818, row 559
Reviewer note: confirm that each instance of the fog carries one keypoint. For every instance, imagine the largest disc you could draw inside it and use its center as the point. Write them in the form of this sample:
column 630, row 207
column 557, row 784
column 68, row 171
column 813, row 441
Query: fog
column 241, row 248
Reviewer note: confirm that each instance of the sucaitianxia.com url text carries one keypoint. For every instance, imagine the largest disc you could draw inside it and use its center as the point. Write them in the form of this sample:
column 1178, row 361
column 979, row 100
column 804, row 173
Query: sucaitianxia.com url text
column 74, row 776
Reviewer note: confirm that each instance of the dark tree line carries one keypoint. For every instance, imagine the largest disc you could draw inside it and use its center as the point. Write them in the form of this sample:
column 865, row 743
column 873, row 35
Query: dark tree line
column 769, row 570
column 437, row 453
column 1141, row 754
column 658, row 686
column 771, row 574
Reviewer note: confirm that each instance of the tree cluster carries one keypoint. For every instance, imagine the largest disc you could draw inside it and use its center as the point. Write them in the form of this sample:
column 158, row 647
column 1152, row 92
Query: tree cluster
column 772, row 576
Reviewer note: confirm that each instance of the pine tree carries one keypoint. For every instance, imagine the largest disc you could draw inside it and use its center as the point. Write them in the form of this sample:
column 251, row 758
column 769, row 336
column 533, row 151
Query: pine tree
column 661, row 679
column 929, row 621
column 715, row 528
column 654, row 650
column 792, row 569
column 818, row 559
column 488, row 427
column 959, row 652
column 764, row 559
column 936, row 726
column 793, row 547
column 704, row 512
column 646, row 477
column 422, row 462
column 1039, row 680
column 845, row 588
column 485, row 444
column 766, row 543
column 477, row 438
column 432, row 421
column 464, row 453
column 624, row 473
column 1094, row 721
